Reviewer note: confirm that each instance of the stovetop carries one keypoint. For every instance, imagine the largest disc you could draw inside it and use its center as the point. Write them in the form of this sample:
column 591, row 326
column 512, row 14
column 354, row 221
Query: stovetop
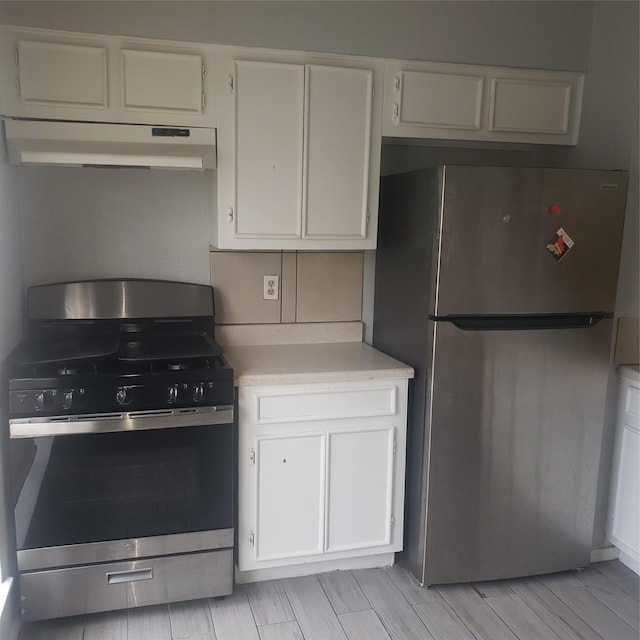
column 118, row 345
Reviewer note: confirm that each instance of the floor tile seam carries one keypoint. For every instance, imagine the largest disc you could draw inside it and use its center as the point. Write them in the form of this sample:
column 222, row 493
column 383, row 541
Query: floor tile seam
column 371, row 608
column 395, row 584
column 531, row 609
column 213, row 618
column 482, row 604
column 595, row 595
column 295, row 615
column 286, row 595
column 558, row 615
column 389, row 631
column 455, row 613
column 351, row 612
column 174, row 637
column 568, row 604
column 327, row 597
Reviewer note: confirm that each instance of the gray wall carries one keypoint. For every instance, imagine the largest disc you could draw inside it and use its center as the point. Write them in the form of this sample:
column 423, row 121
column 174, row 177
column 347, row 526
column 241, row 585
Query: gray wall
column 101, row 223
column 548, row 35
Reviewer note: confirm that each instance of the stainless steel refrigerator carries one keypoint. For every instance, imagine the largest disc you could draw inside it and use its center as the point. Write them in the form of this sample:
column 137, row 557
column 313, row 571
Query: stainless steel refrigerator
column 498, row 286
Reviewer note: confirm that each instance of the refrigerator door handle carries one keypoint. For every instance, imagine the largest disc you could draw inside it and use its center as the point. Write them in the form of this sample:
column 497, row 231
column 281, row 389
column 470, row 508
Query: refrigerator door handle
column 524, row 322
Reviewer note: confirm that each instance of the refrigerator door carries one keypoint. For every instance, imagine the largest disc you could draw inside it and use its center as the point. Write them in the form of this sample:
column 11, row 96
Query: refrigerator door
column 521, row 240
column 514, row 427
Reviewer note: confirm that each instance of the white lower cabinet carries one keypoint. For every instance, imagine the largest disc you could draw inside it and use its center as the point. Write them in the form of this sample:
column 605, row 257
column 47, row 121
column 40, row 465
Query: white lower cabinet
column 326, row 483
column 624, row 516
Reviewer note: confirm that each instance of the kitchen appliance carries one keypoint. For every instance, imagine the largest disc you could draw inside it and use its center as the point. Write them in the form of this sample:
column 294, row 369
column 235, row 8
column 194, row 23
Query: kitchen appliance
column 121, row 407
column 498, row 286
column 101, row 144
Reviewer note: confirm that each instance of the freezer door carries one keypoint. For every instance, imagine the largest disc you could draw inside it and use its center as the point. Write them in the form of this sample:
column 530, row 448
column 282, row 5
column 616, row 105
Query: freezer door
column 521, row 240
column 516, row 420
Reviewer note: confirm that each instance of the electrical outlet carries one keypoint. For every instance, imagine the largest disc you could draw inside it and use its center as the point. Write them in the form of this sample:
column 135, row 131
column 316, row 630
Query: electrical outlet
column 271, row 289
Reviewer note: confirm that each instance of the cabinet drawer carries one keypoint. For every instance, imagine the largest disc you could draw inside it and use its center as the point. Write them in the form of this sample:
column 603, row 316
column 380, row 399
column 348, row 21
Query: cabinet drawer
column 119, row 585
column 325, row 405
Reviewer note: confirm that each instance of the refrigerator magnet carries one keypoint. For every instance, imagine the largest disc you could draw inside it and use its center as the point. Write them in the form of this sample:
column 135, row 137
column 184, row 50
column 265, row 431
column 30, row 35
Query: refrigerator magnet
column 560, row 244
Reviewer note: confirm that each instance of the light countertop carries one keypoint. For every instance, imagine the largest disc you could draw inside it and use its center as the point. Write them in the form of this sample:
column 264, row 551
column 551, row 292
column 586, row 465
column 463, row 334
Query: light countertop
column 630, row 371
column 312, row 363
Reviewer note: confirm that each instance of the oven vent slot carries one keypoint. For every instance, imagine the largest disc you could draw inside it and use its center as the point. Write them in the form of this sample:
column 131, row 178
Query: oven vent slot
column 100, row 416
column 150, row 414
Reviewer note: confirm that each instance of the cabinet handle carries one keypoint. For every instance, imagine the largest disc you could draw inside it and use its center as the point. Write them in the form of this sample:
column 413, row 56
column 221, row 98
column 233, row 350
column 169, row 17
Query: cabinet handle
column 119, row 577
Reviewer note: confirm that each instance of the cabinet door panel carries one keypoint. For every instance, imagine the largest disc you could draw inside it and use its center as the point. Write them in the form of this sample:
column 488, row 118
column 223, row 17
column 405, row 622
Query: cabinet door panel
column 153, row 80
column 62, row 74
column 269, row 130
column 338, row 138
column 360, row 486
column 290, row 496
column 440, row 100
column 530, row 106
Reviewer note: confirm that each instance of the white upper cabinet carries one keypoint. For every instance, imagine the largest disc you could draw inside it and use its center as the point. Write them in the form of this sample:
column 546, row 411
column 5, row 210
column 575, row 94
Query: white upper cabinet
column 68, row 75
column 464, row 102
column 153, row 80
column 269, row 131
column 298, row 152
column 63, row 76
column 338, row 143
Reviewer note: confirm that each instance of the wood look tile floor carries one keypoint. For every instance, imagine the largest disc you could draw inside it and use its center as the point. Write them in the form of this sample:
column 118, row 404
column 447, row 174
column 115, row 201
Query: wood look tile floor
column 600, row 603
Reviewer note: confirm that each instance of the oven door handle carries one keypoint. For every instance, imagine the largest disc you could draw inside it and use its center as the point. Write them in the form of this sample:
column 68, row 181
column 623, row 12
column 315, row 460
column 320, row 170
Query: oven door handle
column 120, row 577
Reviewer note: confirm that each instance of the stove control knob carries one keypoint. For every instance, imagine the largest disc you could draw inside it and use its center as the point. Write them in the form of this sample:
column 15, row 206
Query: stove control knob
column 67, row 399
column 172, row 398
column 123, row 395
column 198, row 392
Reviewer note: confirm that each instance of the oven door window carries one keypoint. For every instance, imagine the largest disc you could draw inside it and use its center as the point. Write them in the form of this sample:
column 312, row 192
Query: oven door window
column 98, row 487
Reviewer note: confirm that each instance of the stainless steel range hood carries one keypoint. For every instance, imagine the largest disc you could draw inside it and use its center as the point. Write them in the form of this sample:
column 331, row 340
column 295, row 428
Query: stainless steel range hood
column 99, row 144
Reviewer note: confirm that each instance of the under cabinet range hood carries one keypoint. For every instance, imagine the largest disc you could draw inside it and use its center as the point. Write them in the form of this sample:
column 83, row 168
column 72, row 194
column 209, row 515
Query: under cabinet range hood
column 114, row 145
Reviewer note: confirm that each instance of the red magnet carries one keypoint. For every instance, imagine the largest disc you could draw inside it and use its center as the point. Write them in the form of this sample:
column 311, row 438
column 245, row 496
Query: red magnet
column 555, row 209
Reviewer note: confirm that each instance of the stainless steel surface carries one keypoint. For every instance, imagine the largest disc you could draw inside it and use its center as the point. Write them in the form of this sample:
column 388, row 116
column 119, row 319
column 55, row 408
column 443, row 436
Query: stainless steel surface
column 135, row 575
column 116, row 550
column 117, row 299
column 39, row 426
column 515, row 423
column 496, row 225
column 504, row 427
column 77, row 591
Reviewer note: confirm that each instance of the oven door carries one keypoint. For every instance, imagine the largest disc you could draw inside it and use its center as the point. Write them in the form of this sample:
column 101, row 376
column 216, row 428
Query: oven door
column 118, row 495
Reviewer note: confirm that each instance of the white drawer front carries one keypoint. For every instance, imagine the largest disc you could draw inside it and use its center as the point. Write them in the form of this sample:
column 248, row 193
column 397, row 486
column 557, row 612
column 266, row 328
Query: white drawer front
column 325, row 405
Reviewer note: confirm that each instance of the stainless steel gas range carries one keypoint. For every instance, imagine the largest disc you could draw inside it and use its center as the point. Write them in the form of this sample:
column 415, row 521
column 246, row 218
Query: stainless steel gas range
column 122, row 419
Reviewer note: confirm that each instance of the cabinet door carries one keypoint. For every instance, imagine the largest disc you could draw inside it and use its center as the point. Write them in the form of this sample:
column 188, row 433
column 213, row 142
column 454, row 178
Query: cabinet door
column 337, row 149
column 289, row 496
column 159, row 81
column 269, row 130
column 360, row 489
column 63, row 75
column 530, row 106
column 439, row 100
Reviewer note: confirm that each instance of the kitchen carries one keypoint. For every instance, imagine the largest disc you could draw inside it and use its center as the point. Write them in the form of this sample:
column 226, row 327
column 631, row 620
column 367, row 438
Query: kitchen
column 158, row 243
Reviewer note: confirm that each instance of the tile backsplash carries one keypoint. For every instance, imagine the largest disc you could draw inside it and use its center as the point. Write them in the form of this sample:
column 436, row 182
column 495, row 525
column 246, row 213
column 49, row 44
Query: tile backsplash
column 314, row 286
